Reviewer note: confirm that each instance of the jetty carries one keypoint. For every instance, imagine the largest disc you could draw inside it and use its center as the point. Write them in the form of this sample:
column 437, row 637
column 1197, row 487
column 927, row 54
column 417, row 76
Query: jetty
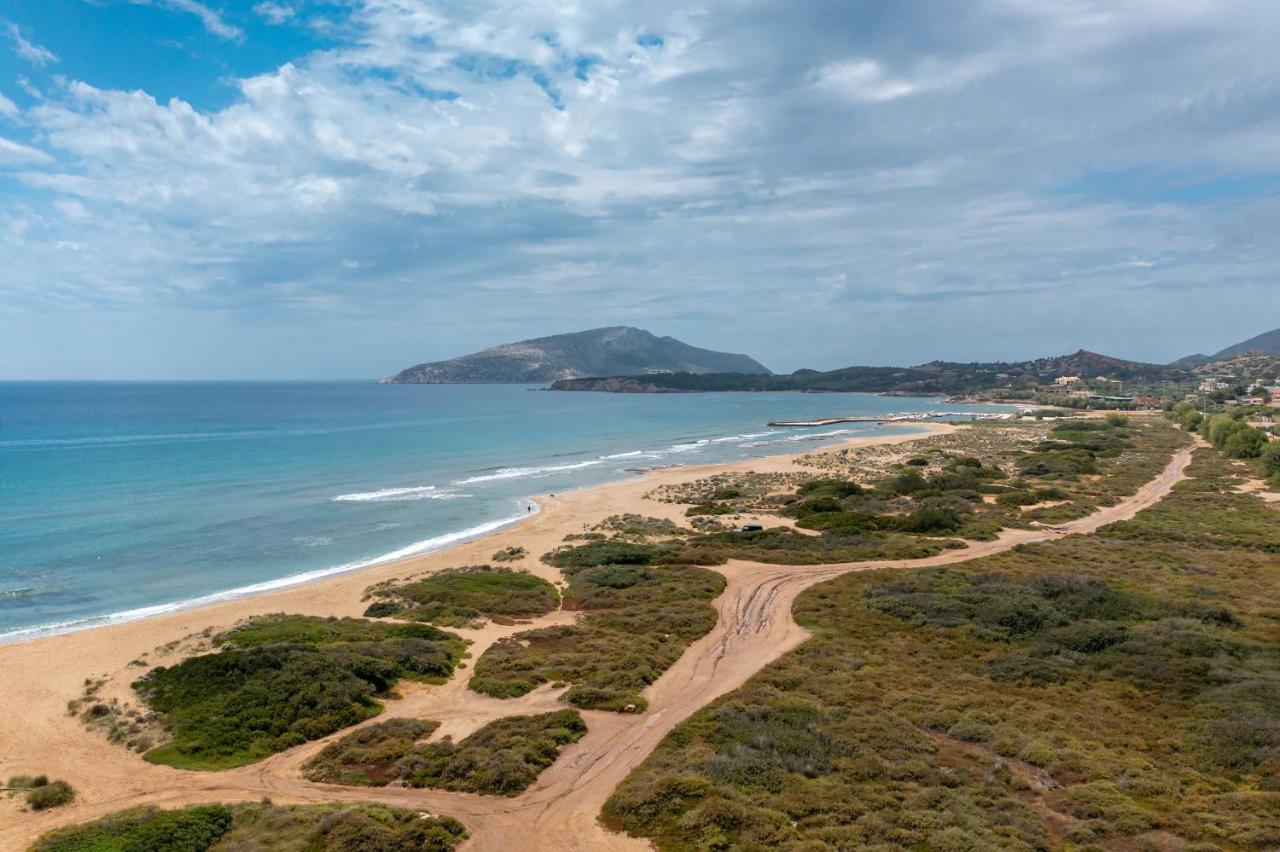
column 900, row 417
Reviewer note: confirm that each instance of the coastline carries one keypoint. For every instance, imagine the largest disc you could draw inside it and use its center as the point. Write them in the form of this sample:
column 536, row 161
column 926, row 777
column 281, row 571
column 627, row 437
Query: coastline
column 528, row 506
column 44, row 673
column 266, row 587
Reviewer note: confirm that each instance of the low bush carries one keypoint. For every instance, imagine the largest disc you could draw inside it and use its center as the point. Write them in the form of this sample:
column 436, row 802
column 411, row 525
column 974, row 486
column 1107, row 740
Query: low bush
column 610, row 552
column 255, row 827
column 51, row 795
column 501, row 759
column 279, row 681
column 639, row 620
column 459, row 596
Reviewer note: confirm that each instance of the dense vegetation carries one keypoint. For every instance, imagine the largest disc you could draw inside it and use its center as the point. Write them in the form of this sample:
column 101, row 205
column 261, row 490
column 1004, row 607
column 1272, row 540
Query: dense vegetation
column 932, row 378
column 501, row 759
column 258, row 827
column 40, row 793
column 639, row 619
column 460, row 596
column 646, row 604
column 281, row 680
column 1114, row 691
column 912, row 510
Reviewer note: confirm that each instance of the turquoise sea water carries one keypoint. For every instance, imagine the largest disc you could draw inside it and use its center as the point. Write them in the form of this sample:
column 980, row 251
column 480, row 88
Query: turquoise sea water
column 119, row 500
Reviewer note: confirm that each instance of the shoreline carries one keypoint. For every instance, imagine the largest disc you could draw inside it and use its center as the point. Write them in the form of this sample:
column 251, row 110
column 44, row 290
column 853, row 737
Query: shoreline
column 435, row 545
column 321, row 583
column 444, row 541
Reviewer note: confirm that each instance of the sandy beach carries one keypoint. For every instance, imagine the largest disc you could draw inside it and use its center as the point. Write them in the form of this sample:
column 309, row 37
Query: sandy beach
column 43, row 674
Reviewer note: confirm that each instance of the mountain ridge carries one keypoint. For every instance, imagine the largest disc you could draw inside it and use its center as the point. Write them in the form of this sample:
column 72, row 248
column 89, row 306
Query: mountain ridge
column 1268, row 342
column 934, row 377
column 611, row 350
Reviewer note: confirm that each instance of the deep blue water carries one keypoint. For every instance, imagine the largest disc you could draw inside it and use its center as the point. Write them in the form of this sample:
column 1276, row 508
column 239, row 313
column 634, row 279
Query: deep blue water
column 121, row 499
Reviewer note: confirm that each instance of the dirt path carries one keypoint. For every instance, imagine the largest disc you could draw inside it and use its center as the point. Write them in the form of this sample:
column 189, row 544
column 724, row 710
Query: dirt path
column 560, row 811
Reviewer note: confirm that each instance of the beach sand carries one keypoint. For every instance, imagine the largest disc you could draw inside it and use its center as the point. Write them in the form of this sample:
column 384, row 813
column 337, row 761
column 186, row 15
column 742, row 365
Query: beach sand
column 39, row 736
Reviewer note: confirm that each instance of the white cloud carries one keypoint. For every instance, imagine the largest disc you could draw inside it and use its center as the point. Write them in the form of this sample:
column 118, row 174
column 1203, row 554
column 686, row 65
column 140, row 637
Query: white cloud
column 863, row 80
column 211, row 19
column 274, row 13
column 7, row 107
column 30, row 51
column 15, row 153
column 445, row 152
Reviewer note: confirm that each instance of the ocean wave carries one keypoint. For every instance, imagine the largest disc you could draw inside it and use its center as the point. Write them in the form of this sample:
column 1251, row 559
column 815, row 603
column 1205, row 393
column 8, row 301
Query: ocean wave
column 104, row 441
column 528, row 508
column 23, row 593
column 796, row 438
column 527, row 472
column 746, row 436
column 391, row 495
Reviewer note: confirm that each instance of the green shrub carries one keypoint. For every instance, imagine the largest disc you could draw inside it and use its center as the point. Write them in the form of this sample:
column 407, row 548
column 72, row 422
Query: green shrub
column 500, row 759
column 280, row 681
column 609, row 552
column 50, row 795
column 640, row 619
column 709, row 509
column 27, row 782
column 837, row 488
column 193, row 829
column 458, row 596
column 254, row 827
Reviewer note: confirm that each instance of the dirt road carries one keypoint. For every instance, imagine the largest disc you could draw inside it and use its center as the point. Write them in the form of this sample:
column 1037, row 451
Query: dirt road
column 560, row 811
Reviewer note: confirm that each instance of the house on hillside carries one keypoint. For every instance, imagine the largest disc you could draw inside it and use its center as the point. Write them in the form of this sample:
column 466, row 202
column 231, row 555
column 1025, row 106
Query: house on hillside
column 1066, row 381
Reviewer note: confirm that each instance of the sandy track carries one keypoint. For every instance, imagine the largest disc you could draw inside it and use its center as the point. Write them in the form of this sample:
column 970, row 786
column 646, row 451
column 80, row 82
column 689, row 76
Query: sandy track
column 560, row 811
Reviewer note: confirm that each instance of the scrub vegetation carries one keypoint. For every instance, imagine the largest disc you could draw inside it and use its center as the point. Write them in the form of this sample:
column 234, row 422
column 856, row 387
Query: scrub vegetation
column 639, row 617
column 967, row 486
column 1113, row 691
column 40, row 793
column 281, row 680
column 261, row 827
column 501, row 759
column 459, row 597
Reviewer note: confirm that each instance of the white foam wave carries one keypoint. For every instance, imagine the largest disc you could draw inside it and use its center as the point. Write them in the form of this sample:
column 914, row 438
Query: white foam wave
column 525, row 472
column 528, row 508
column 389, row 495
column 746, row 436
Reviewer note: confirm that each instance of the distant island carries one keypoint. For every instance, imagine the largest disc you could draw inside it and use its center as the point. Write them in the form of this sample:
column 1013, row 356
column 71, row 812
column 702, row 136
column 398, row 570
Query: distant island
column 612, row 351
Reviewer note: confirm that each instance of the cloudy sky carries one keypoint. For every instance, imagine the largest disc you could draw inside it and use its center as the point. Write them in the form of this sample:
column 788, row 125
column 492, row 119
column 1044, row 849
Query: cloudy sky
column 297, row 188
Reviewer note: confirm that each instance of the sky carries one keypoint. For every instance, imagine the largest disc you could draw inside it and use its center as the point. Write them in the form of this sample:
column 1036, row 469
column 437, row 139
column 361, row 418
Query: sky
column 342, row 188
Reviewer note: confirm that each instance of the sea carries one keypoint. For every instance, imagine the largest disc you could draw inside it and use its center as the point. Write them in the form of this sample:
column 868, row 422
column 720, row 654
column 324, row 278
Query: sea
column 122, row 500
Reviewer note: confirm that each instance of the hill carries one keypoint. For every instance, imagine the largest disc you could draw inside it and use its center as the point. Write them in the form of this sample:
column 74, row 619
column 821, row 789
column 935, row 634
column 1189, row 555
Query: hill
column 613, row 351
column 935, row 377
column 1268, row 342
